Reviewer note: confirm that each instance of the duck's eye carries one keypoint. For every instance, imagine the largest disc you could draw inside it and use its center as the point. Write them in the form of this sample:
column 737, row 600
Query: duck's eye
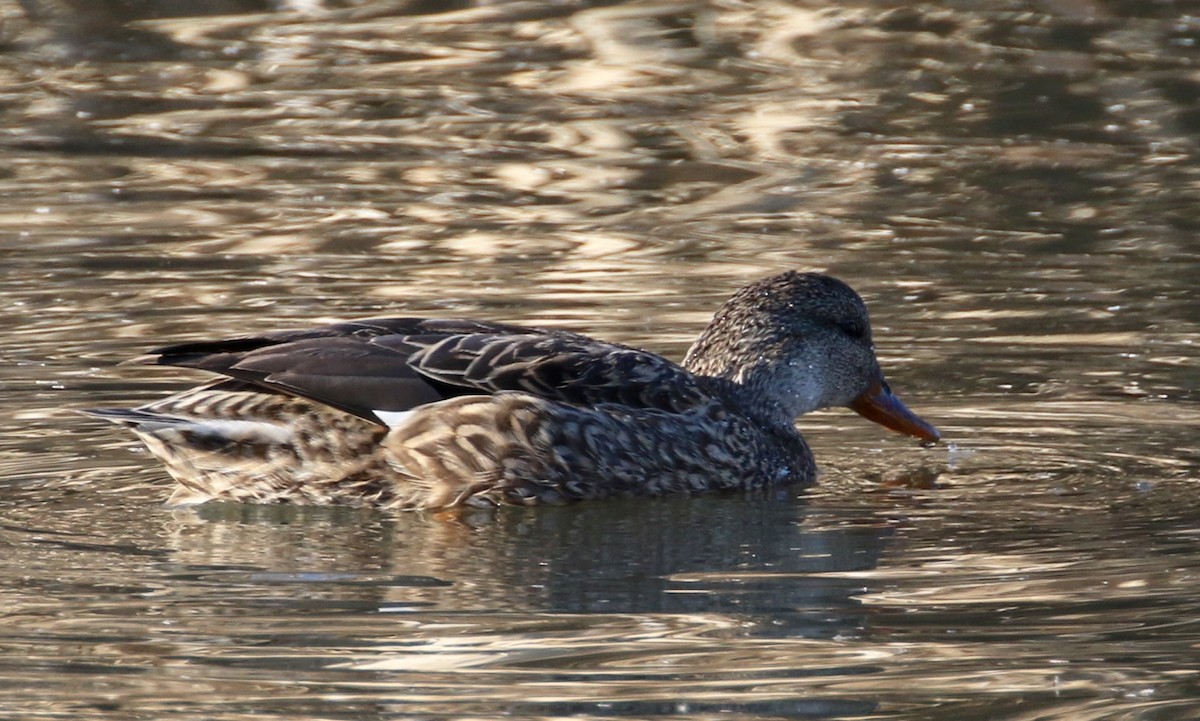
column 853, row 328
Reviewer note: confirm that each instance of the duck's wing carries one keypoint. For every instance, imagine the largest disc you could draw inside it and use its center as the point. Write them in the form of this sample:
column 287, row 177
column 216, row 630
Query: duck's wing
column 377, row 367
column 562, row 367
column 363, row 329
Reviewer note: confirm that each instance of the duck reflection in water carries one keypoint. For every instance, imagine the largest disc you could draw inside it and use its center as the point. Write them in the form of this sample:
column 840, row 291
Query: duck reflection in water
column 430, row 413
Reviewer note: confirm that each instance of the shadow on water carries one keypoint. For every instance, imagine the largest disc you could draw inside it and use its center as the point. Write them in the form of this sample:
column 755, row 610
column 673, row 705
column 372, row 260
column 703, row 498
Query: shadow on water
column 839, row 604
column 673, row 556
column 614, row 597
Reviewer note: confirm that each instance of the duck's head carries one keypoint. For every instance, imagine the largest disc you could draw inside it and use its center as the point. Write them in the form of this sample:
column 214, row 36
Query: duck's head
column 797, row 342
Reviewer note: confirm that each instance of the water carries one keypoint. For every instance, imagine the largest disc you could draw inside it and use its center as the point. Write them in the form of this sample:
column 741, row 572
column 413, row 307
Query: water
column 1010, row 185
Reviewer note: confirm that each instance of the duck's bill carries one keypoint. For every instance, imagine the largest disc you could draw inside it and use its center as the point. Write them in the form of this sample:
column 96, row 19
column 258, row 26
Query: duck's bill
column 879, row 405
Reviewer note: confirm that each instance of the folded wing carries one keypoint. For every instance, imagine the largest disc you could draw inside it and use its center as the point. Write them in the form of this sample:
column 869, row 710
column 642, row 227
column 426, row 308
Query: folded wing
column 393, row 365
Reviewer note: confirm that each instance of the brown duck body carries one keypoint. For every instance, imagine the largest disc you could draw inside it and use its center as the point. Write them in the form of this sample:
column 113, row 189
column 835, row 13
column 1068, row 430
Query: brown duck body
column 425, row 413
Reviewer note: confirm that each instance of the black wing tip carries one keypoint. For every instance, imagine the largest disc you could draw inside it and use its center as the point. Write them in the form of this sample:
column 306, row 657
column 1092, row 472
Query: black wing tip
column 146, row 359
column 210, row 347
column 200, row 361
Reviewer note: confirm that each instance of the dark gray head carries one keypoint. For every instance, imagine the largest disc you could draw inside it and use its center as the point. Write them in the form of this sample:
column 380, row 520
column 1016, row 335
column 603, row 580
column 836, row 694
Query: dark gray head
column 797, row 342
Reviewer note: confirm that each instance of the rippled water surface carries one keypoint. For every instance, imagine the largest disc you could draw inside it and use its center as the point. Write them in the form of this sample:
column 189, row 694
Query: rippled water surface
column 1012, row 186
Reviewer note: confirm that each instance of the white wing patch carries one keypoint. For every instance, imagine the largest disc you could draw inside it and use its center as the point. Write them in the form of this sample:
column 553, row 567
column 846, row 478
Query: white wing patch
column 393, row 419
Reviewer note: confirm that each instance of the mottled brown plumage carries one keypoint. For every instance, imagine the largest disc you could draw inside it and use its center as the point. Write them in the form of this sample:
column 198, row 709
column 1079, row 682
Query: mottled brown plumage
column 426, row 413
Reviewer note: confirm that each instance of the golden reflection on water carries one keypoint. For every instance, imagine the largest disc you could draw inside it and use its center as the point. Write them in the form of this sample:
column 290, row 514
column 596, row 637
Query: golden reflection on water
column 1011, row 189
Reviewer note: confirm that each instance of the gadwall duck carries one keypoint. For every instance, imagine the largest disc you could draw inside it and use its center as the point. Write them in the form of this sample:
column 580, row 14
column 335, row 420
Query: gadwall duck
column 428, row 413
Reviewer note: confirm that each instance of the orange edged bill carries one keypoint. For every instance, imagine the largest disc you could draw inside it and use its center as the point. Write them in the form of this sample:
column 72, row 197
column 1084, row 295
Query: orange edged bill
column 879, row 405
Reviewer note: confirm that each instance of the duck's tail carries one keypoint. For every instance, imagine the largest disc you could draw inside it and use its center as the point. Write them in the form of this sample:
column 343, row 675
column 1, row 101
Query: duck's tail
column 136, row 418
column 258, row 447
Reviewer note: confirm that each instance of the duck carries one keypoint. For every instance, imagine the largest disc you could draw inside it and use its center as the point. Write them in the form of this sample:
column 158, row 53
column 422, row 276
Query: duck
column 426, row 413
